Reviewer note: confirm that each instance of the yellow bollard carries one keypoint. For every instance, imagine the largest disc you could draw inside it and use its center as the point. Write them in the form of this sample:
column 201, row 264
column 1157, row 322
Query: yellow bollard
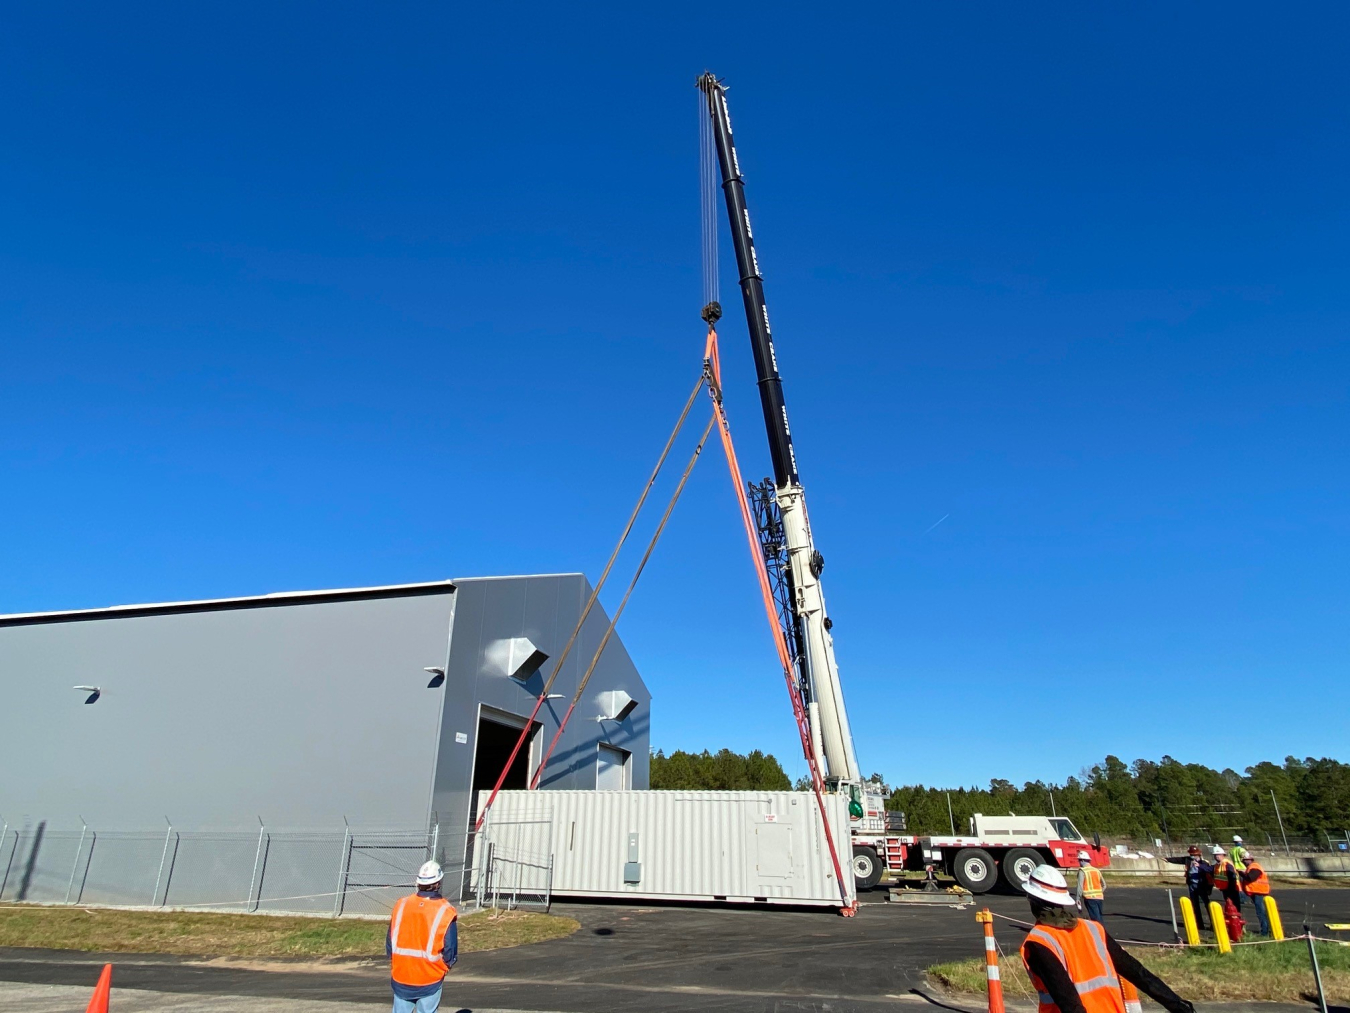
column 1273, row 916
column 1188, row 921
column 1220, row 927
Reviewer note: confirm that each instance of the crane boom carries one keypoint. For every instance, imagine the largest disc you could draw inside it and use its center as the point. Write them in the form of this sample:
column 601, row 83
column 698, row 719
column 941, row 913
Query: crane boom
column 809, row 625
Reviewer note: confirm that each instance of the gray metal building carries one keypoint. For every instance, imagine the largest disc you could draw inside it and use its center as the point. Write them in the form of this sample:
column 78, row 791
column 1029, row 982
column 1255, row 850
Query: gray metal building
column 309, row 710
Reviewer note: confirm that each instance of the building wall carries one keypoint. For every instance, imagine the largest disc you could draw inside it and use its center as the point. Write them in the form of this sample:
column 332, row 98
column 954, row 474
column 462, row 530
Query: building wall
column 545, row 609
column 300, row 714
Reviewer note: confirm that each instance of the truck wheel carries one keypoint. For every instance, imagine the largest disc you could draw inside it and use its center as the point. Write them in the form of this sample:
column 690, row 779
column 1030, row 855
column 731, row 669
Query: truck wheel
column 1018, row 865
column 975, row 870
column 866, row 867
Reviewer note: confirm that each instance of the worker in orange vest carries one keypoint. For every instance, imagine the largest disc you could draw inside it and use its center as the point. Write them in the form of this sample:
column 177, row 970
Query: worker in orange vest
column 422, row 944
column 1091, row 891
column 1074, row 964
column 1226, row 878
column 1257, row 885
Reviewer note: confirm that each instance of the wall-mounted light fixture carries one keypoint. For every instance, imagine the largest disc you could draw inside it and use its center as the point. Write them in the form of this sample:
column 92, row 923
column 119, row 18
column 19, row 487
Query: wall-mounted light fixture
column 93, row 691
column 437, row 676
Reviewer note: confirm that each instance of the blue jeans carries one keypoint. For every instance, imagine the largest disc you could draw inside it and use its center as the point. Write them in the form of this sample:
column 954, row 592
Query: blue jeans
column 1259, row 902
column 427, row 1004
column 1093, row 909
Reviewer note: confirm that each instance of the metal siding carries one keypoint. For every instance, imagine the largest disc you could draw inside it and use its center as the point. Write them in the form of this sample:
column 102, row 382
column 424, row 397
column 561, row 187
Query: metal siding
column 545, row 609
column 692, row 845
column 301, row 713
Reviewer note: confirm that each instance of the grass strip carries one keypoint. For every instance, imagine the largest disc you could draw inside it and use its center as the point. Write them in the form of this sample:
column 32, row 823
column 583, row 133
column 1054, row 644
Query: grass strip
column 203, row 934
column 1278, row 972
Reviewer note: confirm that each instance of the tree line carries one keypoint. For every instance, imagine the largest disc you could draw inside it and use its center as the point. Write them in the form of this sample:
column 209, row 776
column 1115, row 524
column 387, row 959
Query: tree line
column 1146, row 799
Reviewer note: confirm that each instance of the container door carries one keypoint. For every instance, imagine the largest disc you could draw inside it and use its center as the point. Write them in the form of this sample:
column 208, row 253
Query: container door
column 773, row 850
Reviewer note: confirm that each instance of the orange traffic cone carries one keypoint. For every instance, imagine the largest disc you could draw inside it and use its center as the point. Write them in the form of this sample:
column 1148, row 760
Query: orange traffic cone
column 98, row 1002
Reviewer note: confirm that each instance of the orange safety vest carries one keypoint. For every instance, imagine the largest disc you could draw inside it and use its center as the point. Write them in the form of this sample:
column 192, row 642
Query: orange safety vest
column 1082, row 951
column 1092, row 883
column 417, row 931
column 1223, row 872
column 1260, row 886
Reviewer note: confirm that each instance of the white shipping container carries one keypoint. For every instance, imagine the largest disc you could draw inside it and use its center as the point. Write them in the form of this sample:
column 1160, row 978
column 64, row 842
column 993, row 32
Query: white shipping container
column 765, row 847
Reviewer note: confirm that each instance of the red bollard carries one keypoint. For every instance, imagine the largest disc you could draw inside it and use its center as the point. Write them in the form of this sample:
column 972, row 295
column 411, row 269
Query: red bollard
column 991, row 962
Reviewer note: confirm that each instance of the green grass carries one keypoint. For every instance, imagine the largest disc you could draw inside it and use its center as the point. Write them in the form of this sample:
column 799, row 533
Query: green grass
column 1278, row 972
column 239, row 935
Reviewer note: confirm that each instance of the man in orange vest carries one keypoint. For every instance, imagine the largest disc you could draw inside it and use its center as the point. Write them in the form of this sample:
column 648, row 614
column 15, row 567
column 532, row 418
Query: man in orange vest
column 1226, row 878
column 1091, row 892
column 1257, row 884
column 422, row 944
column 1074, row 965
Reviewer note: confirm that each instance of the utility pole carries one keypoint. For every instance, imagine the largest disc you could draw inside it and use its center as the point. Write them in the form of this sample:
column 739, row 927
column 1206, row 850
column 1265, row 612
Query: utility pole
column 1280, row 820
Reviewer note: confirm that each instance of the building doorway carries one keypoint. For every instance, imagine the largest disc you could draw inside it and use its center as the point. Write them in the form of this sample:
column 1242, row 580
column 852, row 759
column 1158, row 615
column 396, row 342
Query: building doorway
column 497, row 735
column 614, row 769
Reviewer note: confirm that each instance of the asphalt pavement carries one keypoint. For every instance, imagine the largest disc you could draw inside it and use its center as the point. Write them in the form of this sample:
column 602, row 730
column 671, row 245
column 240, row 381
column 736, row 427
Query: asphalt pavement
column 627, row 959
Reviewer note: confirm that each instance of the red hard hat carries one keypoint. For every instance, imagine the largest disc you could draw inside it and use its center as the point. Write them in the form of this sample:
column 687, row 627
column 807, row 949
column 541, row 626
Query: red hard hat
column 1193, row 850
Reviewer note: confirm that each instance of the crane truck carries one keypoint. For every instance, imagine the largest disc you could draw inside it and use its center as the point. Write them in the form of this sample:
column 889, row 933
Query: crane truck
column 997, row 848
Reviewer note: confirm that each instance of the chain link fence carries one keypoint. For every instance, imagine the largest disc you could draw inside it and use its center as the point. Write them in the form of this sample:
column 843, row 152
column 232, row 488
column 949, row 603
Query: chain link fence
column 352, row 872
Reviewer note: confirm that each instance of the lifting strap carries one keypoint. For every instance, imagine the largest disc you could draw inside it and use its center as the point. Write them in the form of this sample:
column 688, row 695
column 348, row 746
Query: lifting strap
column 595, row 660
column 590, row 603
column 713, row 371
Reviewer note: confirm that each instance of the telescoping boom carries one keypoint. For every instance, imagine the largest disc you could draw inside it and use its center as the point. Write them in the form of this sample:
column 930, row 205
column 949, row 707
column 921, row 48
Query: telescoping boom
column 806, row 621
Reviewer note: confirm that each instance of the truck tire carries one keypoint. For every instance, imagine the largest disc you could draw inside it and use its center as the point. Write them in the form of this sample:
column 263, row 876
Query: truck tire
column 867, row 867
column 975, row 870
column 1018, row 865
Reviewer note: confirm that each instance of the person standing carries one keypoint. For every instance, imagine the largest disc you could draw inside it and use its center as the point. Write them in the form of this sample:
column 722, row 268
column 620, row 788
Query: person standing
column 1091, row 891
column 1238, row 854
column 1074, row 964
column 1257, row 884
column 1226, row 878
column 422, row 944
column 1199, row 884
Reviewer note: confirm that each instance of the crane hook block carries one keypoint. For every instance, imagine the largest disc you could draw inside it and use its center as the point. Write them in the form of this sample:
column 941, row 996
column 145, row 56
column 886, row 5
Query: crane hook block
column 712, row 313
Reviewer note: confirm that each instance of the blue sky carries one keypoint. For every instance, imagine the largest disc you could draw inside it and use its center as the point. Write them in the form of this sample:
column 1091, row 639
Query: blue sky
column 312, row 295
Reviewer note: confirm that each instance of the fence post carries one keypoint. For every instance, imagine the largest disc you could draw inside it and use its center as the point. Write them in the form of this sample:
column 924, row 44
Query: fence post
column 1280, row 820
column 252, row 905
column 4, row 881
column 1171, row 910
column 162, row 856
column 1316, row 969
column 79, row 850
column 343, row 863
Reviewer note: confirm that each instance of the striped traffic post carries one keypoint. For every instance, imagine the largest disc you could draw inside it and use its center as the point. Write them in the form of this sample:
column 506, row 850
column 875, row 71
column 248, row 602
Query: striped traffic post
column 986, row 919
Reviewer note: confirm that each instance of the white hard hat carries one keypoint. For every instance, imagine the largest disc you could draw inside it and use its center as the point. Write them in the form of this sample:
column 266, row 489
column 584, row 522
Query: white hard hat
column 1083, row 856
column 1237, row 839
column 430, row 874
column 1048, row 884
column 1219, row 851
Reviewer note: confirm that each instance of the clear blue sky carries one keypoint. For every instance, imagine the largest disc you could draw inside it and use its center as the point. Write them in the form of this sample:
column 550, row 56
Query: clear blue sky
column 313, row 295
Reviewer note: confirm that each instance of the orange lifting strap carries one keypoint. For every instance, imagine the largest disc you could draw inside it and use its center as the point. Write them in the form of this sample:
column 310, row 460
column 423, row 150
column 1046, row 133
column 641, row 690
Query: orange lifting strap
column 714, row 371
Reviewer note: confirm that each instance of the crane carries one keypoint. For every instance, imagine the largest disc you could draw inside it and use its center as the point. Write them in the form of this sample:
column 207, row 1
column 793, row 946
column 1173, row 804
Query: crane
column 792, row 559
column 794, row 565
